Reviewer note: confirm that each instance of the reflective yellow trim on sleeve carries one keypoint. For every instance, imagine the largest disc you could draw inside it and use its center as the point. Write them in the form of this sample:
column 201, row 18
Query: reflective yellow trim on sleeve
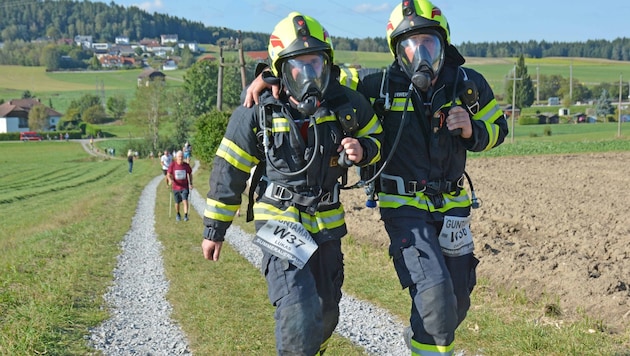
column 373, row 127
column 349, row 77
column 218, row 211
column 236, row 156
column 489, row 114
column 422, row 202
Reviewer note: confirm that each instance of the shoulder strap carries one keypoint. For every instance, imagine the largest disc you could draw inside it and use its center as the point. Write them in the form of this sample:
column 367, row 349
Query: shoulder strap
column 258, row 173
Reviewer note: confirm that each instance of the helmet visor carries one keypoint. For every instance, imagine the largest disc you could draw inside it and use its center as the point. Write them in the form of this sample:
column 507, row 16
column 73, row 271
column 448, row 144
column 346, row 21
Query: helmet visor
column 420, row 49
column 306, row 75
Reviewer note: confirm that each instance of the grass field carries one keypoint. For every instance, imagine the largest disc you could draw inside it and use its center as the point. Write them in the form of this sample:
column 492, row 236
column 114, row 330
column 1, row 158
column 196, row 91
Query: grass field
column 65, row 213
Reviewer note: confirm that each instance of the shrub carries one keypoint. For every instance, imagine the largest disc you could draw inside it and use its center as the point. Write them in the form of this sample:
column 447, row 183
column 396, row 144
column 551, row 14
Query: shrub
column 528, row 120
column 210, row 128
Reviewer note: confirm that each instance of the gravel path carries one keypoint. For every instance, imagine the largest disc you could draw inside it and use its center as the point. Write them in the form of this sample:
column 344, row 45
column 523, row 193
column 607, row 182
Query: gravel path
column 140, row 322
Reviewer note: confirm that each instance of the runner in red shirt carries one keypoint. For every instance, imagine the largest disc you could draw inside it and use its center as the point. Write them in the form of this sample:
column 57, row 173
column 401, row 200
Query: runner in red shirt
column 179, row 175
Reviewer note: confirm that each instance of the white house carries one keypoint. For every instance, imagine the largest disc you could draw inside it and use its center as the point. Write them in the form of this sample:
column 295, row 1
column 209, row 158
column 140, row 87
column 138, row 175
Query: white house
column 14, row 115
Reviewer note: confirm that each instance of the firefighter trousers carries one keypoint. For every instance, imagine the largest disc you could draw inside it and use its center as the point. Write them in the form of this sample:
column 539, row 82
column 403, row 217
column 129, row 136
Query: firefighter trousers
column 439, row 286
column 306, row 300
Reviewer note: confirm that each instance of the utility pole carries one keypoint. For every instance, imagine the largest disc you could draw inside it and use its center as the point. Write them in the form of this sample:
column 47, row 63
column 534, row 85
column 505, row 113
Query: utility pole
column 538, row 84
column 619, row 108
column 514, row 79
column 571, row 83
column 241, row 59
column 220, row 80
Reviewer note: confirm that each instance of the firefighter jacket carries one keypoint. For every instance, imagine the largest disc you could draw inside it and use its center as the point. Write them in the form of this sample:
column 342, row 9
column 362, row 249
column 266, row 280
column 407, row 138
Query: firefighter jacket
column 287, row 191
column 427, row 167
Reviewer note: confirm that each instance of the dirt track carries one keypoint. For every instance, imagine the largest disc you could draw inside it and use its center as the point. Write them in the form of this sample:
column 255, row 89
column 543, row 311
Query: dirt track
column 554, row 225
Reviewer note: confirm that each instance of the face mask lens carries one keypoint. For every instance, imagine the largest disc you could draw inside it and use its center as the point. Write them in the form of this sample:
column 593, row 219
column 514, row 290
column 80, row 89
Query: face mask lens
column 418, row 50
column 306, row 75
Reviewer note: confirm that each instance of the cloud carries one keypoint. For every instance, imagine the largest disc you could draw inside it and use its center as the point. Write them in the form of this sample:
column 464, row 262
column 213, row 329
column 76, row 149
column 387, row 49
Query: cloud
column 151, row 6
column 371, row 8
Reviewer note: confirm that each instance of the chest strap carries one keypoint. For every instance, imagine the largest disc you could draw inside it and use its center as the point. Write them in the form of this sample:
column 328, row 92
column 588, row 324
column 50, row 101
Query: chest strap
column 310, row 198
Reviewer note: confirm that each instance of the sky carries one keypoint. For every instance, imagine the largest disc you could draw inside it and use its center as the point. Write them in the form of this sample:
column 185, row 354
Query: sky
column 470, row 21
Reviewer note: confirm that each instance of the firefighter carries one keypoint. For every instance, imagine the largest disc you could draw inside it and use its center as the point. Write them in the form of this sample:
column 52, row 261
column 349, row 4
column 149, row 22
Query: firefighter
column 433, row 111
column 304, row 141
column 446, row 110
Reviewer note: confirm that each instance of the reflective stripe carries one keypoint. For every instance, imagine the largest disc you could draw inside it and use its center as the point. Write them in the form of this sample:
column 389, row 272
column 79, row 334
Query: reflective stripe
column 489, row 114
column 421, row 201
column 398, row 104
column 219, row 211
column 430, row 350
column 280, row 124
column 349, row 77
column 373, row 127
column 327, row 118
column 236, row 156
column 322, row 220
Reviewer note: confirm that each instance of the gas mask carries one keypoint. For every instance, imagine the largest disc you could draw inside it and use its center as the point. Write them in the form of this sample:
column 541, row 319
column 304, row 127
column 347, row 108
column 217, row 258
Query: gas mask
column 306, row 78
column 421, row 56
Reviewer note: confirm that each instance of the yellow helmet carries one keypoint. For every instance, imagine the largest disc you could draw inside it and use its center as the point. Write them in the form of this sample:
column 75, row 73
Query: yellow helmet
column 412, row 15
column 295, row 35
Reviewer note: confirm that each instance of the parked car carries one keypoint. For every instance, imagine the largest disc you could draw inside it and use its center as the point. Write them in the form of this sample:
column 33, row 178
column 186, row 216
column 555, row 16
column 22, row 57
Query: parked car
column 30, row 136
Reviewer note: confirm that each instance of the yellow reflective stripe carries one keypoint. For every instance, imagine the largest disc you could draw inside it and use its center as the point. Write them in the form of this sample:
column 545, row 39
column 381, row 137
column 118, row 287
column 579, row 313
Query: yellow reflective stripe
column 430, row 350
column 349, row 77
column 236, row 156
column 493, row 135
column 398, row 104
column 327, row 118
column 323, row 220
column 372, row 127
column 489, row 114
column 280, row 124
column 421, row 201
column 218, row 211
column 264, row 211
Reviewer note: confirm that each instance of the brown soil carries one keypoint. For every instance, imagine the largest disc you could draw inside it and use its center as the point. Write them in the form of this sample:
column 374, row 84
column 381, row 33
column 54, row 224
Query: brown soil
column 555, row 228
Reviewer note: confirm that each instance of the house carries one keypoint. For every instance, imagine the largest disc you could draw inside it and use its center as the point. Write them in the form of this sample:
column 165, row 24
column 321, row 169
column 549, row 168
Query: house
column 507, row 110
column 111, row 61
column 122, row 40
column 169, row 64
column 14, row 115
column 83, row 41
column 258, row 55
column 166, row 39
column 150, row 75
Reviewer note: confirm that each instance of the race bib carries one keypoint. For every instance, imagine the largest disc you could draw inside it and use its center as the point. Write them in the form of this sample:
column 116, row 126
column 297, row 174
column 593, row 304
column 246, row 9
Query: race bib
column 286, row 239
column 180, row 174
column 455, row 237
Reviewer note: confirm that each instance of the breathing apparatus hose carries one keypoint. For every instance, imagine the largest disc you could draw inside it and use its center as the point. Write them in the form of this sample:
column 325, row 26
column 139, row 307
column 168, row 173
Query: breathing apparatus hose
column 263, row 124
column 363, row 183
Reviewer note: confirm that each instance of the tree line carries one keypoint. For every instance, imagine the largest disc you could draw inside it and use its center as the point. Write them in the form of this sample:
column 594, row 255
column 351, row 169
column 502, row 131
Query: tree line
column 35, row 20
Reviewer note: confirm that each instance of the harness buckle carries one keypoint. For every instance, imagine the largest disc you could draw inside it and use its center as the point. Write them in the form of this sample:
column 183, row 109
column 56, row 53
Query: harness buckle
column 281, row 193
